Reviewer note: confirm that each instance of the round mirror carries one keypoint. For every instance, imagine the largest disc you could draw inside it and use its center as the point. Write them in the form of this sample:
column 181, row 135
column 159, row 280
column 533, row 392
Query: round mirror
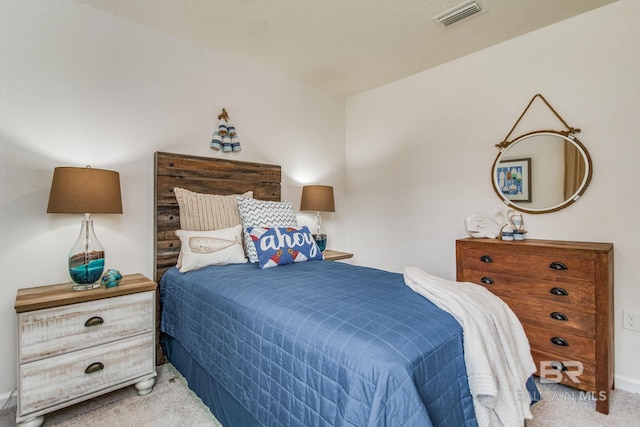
column 541, row 172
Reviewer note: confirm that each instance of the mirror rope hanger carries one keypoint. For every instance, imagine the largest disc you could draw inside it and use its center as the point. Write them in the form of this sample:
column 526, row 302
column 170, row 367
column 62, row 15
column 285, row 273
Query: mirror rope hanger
column 570, row 130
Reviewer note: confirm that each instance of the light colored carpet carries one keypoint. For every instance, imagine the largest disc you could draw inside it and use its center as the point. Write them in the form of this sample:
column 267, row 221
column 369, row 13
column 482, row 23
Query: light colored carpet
column 172, row 404
column 566, row 407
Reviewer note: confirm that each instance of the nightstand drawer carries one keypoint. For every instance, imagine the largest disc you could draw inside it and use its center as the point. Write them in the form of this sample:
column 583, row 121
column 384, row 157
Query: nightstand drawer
column 59, row 379
column 53, row 331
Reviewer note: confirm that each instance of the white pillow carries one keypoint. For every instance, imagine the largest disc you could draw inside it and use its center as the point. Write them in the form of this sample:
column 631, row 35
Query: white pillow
column 263, row 213
column 216, row 247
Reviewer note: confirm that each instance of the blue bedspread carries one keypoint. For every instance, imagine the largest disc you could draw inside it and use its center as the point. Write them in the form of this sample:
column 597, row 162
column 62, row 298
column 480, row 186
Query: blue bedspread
column 321, row 343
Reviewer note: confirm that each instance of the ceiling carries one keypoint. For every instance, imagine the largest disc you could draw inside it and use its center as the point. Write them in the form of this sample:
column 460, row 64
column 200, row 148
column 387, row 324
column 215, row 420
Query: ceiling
column 340, row 46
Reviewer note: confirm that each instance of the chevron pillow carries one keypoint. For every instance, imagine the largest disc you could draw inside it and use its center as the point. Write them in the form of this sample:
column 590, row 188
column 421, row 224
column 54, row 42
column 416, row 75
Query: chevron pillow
column 262, row 213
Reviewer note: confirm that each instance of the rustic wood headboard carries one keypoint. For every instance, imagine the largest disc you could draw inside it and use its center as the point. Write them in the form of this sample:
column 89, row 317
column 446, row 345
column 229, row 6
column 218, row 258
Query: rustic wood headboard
column 202, row 175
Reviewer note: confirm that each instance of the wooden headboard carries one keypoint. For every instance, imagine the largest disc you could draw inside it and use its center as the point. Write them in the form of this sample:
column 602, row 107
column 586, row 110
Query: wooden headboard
column 202, row 175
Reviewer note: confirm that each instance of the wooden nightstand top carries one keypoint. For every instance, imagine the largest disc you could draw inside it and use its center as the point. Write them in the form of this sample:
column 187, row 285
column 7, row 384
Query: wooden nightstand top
column 29, row 299
column 330, row 255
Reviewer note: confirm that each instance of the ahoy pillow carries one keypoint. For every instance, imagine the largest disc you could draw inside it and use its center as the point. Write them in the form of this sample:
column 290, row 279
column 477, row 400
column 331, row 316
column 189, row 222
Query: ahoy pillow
column 278, row 246
column 217, row 247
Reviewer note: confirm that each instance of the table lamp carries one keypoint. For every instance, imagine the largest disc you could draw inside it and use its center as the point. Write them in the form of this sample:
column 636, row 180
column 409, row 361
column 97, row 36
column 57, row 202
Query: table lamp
column 85, row 190
column 318, row 198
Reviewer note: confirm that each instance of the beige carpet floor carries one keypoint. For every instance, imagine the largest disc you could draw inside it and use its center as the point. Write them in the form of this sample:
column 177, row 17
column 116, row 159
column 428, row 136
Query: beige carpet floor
column 172, row 404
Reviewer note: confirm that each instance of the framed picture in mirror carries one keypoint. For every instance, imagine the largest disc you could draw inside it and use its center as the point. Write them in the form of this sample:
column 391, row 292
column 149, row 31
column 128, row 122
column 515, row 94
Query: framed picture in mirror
column 514, row 178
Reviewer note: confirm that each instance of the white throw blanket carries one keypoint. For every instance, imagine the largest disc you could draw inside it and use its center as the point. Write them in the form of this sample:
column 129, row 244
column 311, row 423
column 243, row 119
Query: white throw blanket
column 496, row 349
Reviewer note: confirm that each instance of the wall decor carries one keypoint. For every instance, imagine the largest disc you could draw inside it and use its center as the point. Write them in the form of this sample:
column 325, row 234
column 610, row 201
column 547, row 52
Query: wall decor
column 557, row 174
column 225, row 137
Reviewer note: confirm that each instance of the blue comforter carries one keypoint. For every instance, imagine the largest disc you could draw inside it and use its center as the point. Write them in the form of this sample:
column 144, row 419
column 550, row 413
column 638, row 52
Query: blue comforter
column 321, row 343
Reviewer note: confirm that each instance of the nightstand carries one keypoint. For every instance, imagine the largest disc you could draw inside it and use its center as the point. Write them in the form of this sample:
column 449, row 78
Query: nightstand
column 330, row 255
column 76, row 345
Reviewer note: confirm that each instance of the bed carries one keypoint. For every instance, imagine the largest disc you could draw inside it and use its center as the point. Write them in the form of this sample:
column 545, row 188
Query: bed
column 308, row 343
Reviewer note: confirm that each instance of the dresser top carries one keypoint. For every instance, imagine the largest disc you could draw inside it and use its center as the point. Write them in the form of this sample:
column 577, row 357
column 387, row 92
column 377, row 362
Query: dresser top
column 557, row 244
column 29, row 299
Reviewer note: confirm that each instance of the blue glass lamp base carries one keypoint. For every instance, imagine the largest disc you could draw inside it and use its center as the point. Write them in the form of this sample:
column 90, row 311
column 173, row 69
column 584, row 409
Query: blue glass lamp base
column 86, row 275
column 321, row 241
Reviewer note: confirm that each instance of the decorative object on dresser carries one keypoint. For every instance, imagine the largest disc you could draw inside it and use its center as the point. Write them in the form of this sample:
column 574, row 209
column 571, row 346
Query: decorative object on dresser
column 562, row 292
column 318, row 198
column 73, row 346
column 85, row 190
column 561, row 165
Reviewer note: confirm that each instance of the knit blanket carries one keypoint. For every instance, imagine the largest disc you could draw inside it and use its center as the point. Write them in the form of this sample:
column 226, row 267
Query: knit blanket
column 496, row 349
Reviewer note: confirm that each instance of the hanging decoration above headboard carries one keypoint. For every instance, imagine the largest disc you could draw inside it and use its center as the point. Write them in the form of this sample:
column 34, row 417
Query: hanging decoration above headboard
column 225, row 137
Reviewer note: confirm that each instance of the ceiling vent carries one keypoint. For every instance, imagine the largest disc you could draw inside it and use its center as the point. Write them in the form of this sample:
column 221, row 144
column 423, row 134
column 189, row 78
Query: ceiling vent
column 458, row 13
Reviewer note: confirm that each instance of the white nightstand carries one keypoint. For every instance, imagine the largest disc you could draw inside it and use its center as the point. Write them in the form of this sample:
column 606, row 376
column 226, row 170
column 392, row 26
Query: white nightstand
column 76, row 345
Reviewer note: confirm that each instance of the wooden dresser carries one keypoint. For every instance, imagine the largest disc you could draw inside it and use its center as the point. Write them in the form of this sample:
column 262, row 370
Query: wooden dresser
column 75, row 345
column 562, row 292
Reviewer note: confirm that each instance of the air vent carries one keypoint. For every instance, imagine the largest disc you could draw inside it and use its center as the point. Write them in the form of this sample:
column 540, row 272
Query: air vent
column 458, row 13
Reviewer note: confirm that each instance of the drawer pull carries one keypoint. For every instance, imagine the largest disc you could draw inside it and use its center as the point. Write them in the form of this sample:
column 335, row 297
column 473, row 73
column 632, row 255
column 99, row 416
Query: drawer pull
column 94, row 367
column 486, row 258
column 559, row 291
column 94, row 321
column 558, row 366
column 560, row 341
column 559, row 316
column 487, row 280
column 558, row 266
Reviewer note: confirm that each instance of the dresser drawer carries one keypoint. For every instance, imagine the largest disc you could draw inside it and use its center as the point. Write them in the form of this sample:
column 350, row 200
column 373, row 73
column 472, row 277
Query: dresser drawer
column 576, row 348
column 53, row 331
column 574, row 292
column 59, row 379
column 532, row 266
column 557, row 318
column 587, row 379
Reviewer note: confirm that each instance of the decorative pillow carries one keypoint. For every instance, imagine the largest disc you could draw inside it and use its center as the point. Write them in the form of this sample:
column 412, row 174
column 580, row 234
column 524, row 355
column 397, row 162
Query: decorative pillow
column 278, row 246
column 200, row 211
column 216, row 247
column 262, row 213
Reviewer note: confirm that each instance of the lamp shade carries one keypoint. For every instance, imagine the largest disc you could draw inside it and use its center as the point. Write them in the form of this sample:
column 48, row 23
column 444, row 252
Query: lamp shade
column 85, row 190
column 317, row 198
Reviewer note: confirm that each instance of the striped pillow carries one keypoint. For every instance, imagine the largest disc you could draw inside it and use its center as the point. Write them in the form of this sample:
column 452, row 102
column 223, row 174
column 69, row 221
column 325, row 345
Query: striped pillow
column 202, row 212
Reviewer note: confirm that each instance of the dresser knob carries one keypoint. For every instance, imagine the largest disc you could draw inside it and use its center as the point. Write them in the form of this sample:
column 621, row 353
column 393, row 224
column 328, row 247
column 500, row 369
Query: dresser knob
column 559, row 291
column 559, row 316
column 486, row 258
column 94, row 367
column 560, row 341
column 558, row 266
column 94, row 321
column 558, row 366
column 487, row 280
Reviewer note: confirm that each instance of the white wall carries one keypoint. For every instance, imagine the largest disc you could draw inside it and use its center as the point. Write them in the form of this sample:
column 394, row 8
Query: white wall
column 419, row 151
column 79, row 87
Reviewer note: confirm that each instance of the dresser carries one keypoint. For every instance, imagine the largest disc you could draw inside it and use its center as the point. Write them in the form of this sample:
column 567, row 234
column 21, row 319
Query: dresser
column 562, row 292
column 76, row 345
